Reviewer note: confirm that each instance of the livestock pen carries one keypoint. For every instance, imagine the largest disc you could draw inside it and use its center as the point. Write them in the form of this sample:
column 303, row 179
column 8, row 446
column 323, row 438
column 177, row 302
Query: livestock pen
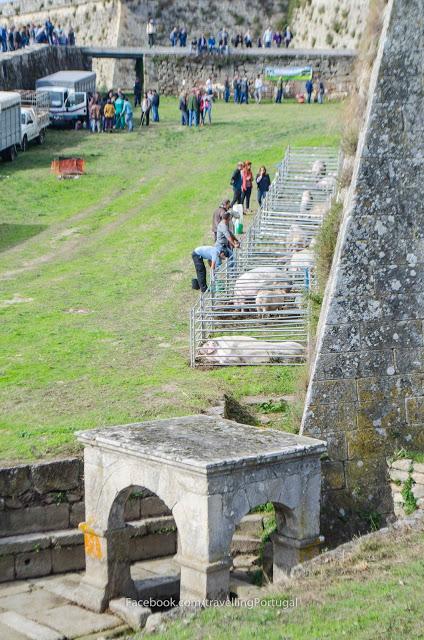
column 256, row 308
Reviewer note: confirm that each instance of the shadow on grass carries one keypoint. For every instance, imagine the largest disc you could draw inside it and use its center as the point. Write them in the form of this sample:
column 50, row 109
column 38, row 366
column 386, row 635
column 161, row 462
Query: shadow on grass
column 13, row 234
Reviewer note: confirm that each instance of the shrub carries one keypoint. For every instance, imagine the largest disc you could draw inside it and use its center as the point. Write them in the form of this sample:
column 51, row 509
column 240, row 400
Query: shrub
column 329, row 38
column 326, row 243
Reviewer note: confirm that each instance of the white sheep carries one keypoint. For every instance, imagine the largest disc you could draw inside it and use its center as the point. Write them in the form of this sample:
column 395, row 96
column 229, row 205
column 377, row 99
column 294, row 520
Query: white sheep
column 306, row 202
column 319, row 169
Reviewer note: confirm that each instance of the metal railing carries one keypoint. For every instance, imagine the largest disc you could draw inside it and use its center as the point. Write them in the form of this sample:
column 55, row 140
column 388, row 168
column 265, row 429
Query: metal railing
column 256, row 309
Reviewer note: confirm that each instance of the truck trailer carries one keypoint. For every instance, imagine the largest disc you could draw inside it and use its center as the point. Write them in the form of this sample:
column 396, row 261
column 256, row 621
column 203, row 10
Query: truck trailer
column 10, row 124
column 69, row 92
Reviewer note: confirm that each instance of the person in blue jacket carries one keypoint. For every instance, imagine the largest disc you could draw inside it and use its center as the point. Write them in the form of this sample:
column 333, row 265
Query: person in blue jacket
column 309, row 86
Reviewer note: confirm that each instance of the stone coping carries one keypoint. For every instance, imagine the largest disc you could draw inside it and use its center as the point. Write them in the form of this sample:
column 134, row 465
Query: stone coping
column 202, row 443
column 254, row 52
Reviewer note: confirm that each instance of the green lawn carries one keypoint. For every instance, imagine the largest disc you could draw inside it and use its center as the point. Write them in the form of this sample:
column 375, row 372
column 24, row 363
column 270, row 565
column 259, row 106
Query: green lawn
column 95, row 273
column 374, row 593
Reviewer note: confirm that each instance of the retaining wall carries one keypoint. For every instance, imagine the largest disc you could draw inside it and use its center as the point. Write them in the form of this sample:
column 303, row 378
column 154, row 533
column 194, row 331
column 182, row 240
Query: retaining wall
column 20, row 69
column 41, row 506
column 366, row 395
column 170, row 74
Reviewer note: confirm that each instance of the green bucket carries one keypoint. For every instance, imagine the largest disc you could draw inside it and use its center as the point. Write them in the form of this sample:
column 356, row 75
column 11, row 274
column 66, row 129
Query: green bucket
column 238, row 228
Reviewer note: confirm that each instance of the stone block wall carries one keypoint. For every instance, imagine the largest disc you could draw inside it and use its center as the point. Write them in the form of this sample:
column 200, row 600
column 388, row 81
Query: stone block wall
column 41, row 506
column 171, row 74
column 407, row 485
column 20, row 69
column 366, row 394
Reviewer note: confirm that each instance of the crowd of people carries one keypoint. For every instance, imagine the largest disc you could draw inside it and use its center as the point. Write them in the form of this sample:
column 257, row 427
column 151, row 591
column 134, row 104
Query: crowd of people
column 225, row 240
column 222, row 41
column 196, row 106
column 113, row 111
column 13, row 38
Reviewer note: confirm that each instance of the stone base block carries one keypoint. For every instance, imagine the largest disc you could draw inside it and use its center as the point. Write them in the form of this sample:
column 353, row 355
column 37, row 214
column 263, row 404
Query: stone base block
column 204, row 581
column 130, row 612
column 288, row 552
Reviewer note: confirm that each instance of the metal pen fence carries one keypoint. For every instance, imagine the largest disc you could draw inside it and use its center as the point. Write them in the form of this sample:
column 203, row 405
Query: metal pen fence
column 256, row 308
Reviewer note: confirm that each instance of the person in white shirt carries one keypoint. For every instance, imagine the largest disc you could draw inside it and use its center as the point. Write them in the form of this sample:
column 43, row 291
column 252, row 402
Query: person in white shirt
column 258, row 89
column 151, row 32
column 268, row 37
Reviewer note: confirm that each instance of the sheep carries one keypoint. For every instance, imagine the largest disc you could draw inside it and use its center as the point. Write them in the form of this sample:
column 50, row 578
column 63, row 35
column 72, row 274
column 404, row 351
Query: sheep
column 319, row 210
column 268, row 300
column 327, row 184
column 302, row 259
column 306, row 202
column 319, row 169
column 296, row 238
column 248, row 284
column 239, row 350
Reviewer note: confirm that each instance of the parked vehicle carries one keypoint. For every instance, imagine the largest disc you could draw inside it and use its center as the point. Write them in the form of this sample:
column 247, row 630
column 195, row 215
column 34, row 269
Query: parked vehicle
column 35, row 117
column 69, row 92
column 10, row 124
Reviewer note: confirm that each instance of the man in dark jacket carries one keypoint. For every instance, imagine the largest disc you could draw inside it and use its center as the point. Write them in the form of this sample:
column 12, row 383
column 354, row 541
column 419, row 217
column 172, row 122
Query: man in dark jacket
column 137, row 92
column 155, row 106
column 309, row 86
column 236, row 183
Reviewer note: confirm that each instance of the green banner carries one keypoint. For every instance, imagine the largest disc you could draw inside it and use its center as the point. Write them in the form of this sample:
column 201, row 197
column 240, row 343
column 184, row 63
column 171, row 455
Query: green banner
column 288, row 73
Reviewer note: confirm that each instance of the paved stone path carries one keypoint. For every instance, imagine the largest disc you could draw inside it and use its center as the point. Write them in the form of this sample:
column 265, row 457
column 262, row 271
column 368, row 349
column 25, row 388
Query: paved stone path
column 42, row 609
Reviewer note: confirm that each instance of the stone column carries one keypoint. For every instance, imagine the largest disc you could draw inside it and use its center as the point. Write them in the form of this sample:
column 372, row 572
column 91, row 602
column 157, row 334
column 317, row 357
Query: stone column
column 107, row 574
column 203, row 553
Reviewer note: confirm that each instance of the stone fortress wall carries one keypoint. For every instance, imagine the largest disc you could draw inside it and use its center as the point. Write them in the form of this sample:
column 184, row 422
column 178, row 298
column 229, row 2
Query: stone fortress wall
column 123, row 23
column 366, row 394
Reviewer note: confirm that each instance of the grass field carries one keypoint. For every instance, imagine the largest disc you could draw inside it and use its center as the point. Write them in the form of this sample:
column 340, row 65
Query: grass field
column 374, row 593
column 95, row 273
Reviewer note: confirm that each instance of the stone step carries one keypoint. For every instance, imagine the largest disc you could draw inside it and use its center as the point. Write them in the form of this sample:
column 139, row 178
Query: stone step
column 246, row 562
column 245, row 545
column 251, row 525
column 28, row 628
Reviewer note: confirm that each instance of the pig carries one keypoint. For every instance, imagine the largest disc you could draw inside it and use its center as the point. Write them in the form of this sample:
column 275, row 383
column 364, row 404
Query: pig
column 242, row 350
column 268, row 300
column 296, row 238
column 248, row 284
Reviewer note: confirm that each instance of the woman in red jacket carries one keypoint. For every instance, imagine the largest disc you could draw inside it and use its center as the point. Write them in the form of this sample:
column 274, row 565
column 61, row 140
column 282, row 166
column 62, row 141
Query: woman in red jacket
column 247, row 182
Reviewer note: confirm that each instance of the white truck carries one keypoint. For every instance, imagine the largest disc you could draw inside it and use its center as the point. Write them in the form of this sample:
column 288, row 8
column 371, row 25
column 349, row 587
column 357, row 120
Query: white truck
column 69, row 93
column 10, row 124
column 35, row 117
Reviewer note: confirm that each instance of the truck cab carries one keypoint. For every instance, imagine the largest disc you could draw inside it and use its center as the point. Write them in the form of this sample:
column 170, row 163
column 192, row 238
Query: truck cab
column 34, row 117
column 69, row 93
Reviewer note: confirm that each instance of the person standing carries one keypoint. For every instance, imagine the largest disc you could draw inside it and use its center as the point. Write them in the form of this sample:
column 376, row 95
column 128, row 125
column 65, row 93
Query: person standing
column 128, row 114
column 155, row 105
column 183, row 37
column 3, row 34
column 151, row 32
column 227, row 90
column 258, row 89
column 278, row 38
column 182, row 105
column 119, row 105
column 71, row 37
column 288, row 36
column 207, row 108
column 309, row 86
column 109, row 112
column 192, row 109
column 248, row 40
column 225, row 239
column 279, row 95
column 173, row 37
column 321, row 92
column 217, row 216
column 263, row 183
column 236, row 183
column 268, row 37
column 244, row 90
column 137, row 92
column 246, row 184
column 145, row 111
column 236, row 88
